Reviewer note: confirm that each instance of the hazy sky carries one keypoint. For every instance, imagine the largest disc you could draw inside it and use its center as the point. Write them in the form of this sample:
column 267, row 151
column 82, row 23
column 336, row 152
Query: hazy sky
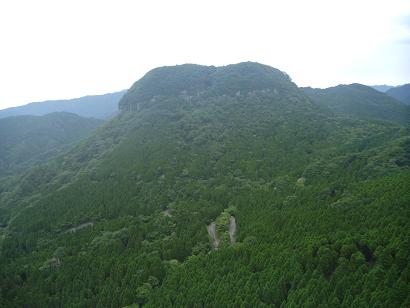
column 63, row 49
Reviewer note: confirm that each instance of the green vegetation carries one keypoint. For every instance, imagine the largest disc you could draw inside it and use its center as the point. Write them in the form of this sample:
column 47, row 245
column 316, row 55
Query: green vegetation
column 361, row 101
column 320, row 201
column 401, row 93
column 26, row 140
column 190, row 80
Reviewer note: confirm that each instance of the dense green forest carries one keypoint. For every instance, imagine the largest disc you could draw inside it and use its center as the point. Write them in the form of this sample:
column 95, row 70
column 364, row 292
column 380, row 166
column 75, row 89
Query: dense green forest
column 361, row 101
column 26, row 140
column 309, row 207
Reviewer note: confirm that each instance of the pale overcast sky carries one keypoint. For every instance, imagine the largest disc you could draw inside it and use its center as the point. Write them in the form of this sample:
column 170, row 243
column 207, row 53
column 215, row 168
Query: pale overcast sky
column 63, row 49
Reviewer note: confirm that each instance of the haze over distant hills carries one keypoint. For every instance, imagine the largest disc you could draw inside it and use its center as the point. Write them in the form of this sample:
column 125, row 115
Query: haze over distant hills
column 401, row 93
column 382, row 88
column 361, row 101
column 27, row 140
column 92, row 106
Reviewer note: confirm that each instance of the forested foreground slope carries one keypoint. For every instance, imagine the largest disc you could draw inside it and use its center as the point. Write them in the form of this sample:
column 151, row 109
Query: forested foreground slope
column 321, row 203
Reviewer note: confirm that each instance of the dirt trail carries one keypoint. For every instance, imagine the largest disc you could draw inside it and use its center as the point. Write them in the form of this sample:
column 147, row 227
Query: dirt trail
column 212, row 232
column 82, row 226
column 167, row 212
column 232, row 229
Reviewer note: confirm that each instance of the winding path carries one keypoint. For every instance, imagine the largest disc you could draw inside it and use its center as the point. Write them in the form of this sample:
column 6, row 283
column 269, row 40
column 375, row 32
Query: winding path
column 212, row 232
column 232, row 229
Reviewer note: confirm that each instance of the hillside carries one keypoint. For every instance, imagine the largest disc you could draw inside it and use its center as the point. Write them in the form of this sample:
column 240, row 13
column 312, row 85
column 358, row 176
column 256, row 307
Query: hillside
column 214, row 187
column 26, row 140
column 93, row 106
column 360, row 101
column 401, row 93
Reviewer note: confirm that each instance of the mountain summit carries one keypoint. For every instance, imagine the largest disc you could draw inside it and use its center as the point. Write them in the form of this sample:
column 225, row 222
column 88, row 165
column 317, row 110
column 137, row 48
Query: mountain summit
column 196, row 80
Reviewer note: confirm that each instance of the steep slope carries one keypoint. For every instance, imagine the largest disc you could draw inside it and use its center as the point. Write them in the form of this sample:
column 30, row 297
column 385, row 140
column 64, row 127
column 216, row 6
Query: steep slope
column 360, row 101
column 319, row 202
column 401, row 93
column 93, row 106
column 26, row 140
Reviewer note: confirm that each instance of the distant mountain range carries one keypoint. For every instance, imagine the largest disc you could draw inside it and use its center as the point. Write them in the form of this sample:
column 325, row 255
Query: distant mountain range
column 93, row 106
column 382, row 88
column 401, row 93
column 360, row 101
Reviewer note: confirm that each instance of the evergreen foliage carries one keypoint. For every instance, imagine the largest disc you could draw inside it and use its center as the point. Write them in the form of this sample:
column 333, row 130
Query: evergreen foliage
column 361, row 101
column 321, row 202
column 26, row 140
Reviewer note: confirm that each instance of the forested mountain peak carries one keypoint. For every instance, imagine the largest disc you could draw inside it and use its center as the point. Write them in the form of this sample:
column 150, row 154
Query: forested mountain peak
column 194, row 80
column 353, row 86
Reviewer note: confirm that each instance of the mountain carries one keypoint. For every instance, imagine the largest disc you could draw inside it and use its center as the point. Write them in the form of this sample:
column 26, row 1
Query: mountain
column 93, row 106
column 27, row 140
column 360, row 101
column 195, row 80
column 382, row 88
column 401, row 93
column 214, row 187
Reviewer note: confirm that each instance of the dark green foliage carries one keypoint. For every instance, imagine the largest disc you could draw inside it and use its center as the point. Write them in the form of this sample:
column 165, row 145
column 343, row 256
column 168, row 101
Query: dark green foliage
column 320, row 202
column 361, row 101
column 190, row 80
column 401, row 93
column 25, row 140
column 165, row 81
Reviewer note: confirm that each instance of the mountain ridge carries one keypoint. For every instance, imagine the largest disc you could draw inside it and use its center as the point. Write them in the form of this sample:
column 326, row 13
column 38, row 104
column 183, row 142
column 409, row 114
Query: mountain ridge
column 401, row 93
column 382, row 88
column 90, row 106
column 360, row 101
